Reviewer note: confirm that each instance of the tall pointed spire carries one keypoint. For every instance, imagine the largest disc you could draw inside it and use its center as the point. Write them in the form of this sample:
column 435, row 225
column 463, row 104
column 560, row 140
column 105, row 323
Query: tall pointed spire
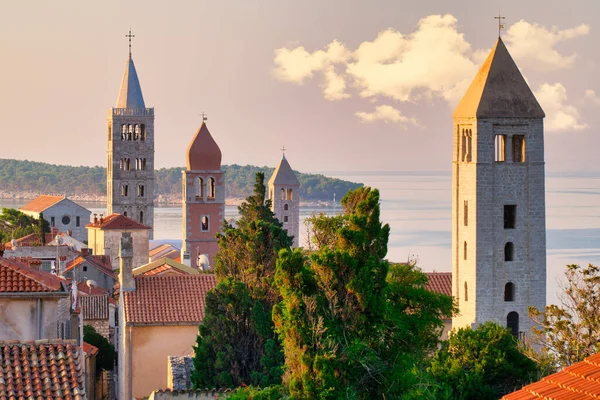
column 499, row 90
column 283, row 174
column 130, row 94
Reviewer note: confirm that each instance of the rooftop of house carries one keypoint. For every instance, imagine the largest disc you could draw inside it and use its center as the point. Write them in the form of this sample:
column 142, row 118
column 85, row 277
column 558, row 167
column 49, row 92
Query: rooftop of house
column 42, row 203
column 33, row 239
column 100, row 262
column 165, row 250
column 47, row 369
column 163, row 266
column 94, row 307
column 578, row 381
column 116, row 221
column 169, row 299
column 440, row 282
column 90, row 349
column 19, row 277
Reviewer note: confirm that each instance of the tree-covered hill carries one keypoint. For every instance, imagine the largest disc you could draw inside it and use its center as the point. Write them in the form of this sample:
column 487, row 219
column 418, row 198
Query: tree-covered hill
column 18, row 178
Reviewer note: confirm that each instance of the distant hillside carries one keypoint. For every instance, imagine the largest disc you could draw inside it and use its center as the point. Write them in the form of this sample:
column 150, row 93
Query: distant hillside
column 28, row 178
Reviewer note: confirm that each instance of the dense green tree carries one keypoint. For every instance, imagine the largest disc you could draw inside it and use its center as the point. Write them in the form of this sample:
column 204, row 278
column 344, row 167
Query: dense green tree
column 14, row 224
column 479, row 364
column 352, row 325
column 236, row 343
column 569, row 332
column 105, row 360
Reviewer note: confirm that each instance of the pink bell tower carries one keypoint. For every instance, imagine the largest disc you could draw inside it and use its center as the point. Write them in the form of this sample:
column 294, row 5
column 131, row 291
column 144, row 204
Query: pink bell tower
column 203, row 184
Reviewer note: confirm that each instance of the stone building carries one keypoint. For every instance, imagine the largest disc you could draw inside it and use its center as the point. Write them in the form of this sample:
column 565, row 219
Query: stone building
column 61, row 213
column 97, row 269
column 130, row 171
column 284, row 192
column 104, row 235
column 152, row 308
column 203, row 202
column 498, row 198
column 34, row 304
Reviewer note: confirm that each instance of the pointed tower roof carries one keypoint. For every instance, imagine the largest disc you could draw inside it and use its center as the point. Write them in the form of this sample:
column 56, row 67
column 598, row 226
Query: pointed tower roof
column 203, row 153
column 283, row 174
column 499, row 90
column 130, row 94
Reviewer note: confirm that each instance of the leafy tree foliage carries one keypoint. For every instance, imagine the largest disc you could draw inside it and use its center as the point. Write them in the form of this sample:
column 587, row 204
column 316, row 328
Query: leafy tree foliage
column 483, row 363
column 236, row 343
column 29, row 176
column 15, row 224
column 105, row 360
column 570, row 332
column 352, row 325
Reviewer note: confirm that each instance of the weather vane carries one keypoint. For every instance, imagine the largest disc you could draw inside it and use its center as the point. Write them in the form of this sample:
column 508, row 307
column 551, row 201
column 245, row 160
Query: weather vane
column 283, row 150
column 129, row 36
column 500, row 24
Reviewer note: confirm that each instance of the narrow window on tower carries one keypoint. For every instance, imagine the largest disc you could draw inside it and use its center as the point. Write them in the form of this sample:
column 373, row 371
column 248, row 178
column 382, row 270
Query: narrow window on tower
column 141, row 217
column 124, row 190
column 204, row 224
column 285, row 207
column 137, row 132
column 509, row 292
column 499, row 148
column 466, row 292
column 109, row 133
column 510, row 216
column 518, row 148
column 143, row 132
column 282, row 194
column 211, row 188
column 285, row 218
column 289, row 194
column 52, row 221
column 124, row 213
column 512, row 322
column 140, row 190
column 466, row 212
column 509, row 251
column 128, row 164
column 469, row 145
column 201, row 188
column 465, row 250
column 463, row 145
column 129, row 132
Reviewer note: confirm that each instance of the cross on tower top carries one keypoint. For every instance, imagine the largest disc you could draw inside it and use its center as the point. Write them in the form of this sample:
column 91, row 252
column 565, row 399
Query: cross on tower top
column 283, row 149
column 204, row 116
column 129, row 36
column 500, row 24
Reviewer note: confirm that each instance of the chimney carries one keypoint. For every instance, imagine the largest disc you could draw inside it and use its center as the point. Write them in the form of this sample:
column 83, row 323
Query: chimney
column 126, row 262
column 95, row 219
column 54, row 231
column 85, row 252
column 101, row 218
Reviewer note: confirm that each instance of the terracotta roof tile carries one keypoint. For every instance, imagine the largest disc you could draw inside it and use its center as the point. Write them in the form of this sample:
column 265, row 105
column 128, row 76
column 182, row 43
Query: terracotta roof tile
column 117, row 221
column 94, row 306
column 578, row 381
column 18, row 277
column 41, row 370
column 89, row 349
column 41, row 203
column 168, row 299
column 440, row 282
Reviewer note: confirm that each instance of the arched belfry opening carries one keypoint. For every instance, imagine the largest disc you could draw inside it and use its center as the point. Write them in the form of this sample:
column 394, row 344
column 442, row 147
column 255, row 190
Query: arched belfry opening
column 512, row 322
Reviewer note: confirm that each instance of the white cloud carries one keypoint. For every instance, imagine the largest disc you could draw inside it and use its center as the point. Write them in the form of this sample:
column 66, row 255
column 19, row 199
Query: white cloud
column 386, row 114
column 533, row 45
column 560, row 116
column 590, row 96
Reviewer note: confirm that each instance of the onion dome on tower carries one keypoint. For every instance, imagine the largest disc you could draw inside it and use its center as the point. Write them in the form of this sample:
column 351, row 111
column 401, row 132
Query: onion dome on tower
column 203, row 153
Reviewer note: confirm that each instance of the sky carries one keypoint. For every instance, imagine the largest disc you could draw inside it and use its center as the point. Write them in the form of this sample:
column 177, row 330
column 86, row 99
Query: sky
column 343, row 85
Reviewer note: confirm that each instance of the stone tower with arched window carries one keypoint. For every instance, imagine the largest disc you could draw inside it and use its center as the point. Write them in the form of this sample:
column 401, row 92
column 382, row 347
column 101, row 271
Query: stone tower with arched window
column 498, row 198
column 203, row 184
column 284, row 192
column 130, row 172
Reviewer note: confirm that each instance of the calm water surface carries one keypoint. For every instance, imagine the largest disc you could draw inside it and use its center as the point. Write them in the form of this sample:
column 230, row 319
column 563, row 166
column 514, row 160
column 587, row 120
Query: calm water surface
column 417, row 206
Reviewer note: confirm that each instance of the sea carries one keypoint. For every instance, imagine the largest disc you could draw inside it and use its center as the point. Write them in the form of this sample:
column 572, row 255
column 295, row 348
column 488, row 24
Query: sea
column 417, row 206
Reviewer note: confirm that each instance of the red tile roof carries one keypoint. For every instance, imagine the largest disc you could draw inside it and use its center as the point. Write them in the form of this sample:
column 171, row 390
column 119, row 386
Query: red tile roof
column 89, row 349
column 94, row 306
column 168, row 299
column 117, row 221
column 578, row 381
column 18, row 277
column 41, row 203
column 41, row 370
column 440, row 282
column 33, row 239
